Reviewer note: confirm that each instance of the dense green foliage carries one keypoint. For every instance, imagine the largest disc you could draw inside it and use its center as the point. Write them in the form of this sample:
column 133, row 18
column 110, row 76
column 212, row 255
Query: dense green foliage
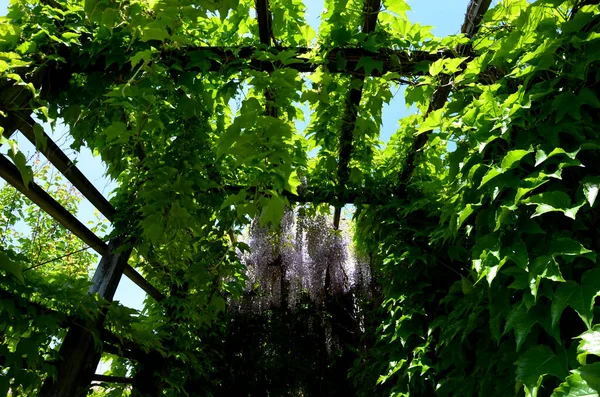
column 486, row 254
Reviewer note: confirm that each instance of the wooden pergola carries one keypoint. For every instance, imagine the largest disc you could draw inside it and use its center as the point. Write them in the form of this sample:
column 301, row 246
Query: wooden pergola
column 79, row 355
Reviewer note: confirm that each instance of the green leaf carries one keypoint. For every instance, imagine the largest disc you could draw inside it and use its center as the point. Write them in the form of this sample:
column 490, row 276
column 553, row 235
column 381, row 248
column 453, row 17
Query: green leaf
column 154, row 33
column 590, row 188
column 554, row 201
column 590, row 374
column 293, row 182
column 397, row 6
column 520, row 321
column 590, row 344
column 513, row 157
column 452, row 65
column 575, row 386
column 541, row 156
column 564, row 246
column 517, row 252
column 464, row 214
column 436, row 67
column 11, row 266
column 115, row 131
column 234, row 199
column 490, row 174
column 543, row 267
column 21, row 162
column 590, row 285
column 569, row 294
column 536, row 363
column 27, row 47
column 140, row 56
column 41, row 139
column 369, row 64
column 308, row 33
column 566, row 103
column 273, row 211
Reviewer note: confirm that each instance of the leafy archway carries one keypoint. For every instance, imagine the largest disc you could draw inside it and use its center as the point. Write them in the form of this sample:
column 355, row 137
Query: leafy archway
column 478, row 219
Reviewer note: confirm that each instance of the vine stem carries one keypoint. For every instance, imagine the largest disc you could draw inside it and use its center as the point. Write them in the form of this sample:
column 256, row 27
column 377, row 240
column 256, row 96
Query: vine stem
column 57, row 258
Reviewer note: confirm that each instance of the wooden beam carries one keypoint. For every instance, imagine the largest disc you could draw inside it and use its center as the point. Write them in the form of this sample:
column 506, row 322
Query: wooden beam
column 79, row 352
column 370, row 12
column 475, row 11
column 265, row 21
column 60, row 160
column 141, row 282
column 10, row 173
column 203, row 59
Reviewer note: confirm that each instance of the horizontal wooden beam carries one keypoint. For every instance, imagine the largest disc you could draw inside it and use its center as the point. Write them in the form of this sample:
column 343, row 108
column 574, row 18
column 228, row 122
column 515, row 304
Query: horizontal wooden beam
column 204, row 59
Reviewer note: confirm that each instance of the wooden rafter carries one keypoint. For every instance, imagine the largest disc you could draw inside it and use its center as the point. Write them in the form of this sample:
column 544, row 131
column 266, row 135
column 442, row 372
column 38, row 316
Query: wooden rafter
column 473, row 17
column 370, row 12
column 10, row 173
column 60, row 160
column 79, row 353
column 204, row 59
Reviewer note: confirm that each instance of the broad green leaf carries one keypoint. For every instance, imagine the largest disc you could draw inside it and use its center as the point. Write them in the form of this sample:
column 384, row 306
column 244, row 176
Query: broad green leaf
column 154, row 33
column 140, row 56
column 564, row 246
column 520, row 321
column 308, row 34
column 554, row 201
column 517, row 252
column 234, row 199
column 436, row 67
column 575, row 386
column 513, row 157
column 536, row 363
column 11, row 266
column 293, row 182
column 590, row 285
column 591, row 375
column 273, row 211
column 566, row 103
column 452, row 65
column 41, row 140
column 397, row 6
column 543, row 267
column 464, row 214
column 115, row 131
column 569, row 294
column 590, row 344
column 21, row 162
column 590, row 189
column 541, row 156
column 491, row 174
column 27, row 47
column 369, row 64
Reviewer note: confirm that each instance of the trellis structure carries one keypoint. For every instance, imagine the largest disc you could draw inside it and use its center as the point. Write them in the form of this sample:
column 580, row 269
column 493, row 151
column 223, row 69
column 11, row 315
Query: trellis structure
column 79, row 356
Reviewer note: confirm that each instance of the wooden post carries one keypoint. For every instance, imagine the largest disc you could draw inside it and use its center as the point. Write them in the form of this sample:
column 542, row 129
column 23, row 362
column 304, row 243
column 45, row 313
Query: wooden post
column 81, row 350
